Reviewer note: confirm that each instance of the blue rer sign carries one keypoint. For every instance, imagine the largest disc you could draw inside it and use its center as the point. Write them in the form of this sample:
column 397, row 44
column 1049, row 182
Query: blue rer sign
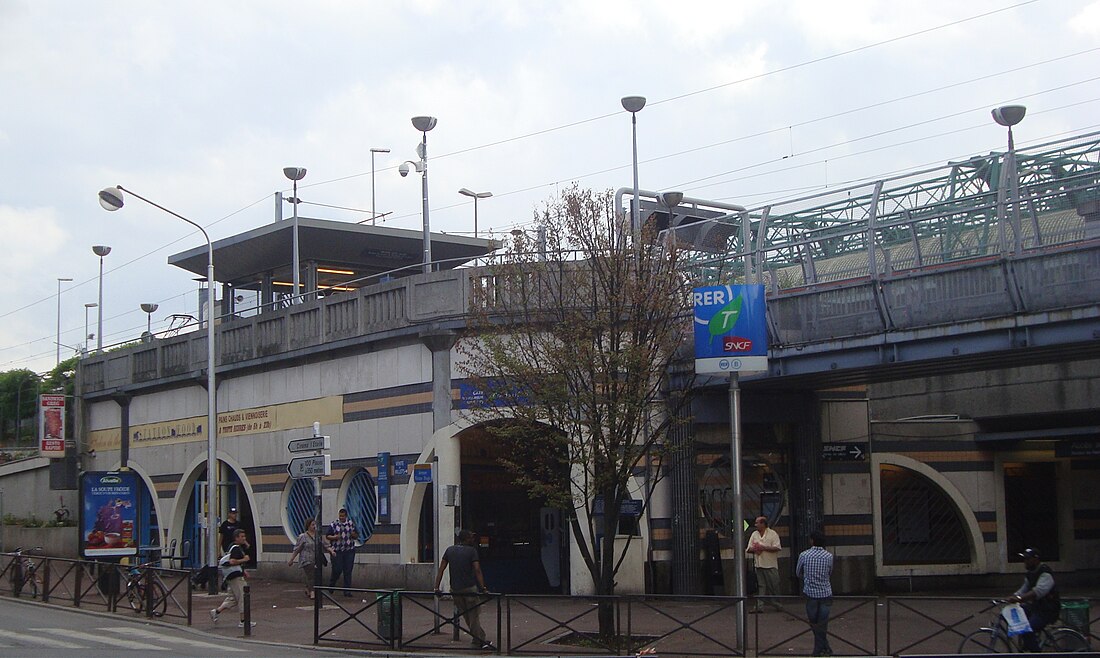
column 731, row 333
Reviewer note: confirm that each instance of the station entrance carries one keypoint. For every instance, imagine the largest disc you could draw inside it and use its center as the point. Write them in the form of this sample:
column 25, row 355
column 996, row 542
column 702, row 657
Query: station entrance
column 521, row 541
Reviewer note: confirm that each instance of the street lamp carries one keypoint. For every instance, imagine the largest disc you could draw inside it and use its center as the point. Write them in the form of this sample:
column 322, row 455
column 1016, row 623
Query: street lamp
column 295, row 174
column 149, row 309
column 634, row 104
column 423, row 124
column 373, row 214
column 111, row 199
column 87, row 336
column 59, row 280
column 101, row 251
column 1008, row 116
column 475, row 196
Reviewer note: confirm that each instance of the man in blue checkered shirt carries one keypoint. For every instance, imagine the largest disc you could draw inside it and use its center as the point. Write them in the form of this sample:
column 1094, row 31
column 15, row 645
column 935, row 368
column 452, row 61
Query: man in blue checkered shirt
column 815, row 568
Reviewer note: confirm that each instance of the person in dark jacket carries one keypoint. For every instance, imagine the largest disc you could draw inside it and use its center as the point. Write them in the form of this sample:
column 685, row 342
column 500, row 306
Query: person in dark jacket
column 1039, row 597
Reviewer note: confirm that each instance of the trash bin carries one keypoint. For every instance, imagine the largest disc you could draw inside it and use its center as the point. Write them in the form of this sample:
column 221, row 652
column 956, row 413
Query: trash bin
column 1075, row 613
column 389, row 615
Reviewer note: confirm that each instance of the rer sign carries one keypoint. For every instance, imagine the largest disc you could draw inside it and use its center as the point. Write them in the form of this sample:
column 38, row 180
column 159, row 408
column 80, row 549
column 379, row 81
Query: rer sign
column 731, row 333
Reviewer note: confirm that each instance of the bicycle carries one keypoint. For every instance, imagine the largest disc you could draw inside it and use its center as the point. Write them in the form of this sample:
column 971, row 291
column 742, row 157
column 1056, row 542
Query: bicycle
column 24, row 572
column 995, row 638
column 138, row 592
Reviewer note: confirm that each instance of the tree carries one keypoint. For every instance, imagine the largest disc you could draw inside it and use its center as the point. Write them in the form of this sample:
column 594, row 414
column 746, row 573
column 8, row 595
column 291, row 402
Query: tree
column 570, row 344
column 18, row 399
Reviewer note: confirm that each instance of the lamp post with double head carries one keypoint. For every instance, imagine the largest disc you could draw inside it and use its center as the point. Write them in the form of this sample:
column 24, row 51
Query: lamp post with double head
column 634, row 105
column 475, row 196
column 373, row 212
column 149, row 309
column 59, row 280
column 295, row 174
column 112, row 199
column 101, row 251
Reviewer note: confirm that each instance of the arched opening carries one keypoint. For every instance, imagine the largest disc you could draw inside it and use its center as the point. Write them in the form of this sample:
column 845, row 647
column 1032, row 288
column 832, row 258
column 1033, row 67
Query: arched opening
column 232, row 493
column 521, row 538
column 920, row 522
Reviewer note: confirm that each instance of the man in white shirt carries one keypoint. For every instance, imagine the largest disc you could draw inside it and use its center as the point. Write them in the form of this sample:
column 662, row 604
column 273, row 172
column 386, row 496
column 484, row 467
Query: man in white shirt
column 764, row 549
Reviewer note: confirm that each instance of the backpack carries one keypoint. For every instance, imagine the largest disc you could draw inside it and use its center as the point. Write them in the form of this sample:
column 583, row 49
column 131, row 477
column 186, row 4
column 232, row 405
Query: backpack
column 227, row 570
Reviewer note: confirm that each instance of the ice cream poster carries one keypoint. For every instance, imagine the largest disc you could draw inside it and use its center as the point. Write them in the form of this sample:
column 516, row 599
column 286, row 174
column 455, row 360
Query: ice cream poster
column 108, row 514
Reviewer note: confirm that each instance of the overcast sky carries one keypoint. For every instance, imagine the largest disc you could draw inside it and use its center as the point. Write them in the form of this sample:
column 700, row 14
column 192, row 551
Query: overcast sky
column 199, row 106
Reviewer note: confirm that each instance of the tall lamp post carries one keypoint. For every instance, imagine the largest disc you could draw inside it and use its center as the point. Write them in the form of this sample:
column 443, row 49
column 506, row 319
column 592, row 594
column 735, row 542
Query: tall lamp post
column 373, row 213
column 59, row 280
column 475, row 196
column 295, row 174
column 634, row 105
column 150, row 309
column 423, row 124
column 87, row 336
column 111, row 199
column 101, row 251
column 1008, row 116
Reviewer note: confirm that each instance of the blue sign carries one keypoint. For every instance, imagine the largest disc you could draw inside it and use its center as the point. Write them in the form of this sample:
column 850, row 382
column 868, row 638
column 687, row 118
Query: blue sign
column 401, row 467
column 384, row 487
column 731, row 331
column 108, row 514
column 422, row 473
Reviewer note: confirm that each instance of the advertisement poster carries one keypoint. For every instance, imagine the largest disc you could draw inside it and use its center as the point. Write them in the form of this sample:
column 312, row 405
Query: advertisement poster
column 51, row 425
column 731, row 333
column 108, row 514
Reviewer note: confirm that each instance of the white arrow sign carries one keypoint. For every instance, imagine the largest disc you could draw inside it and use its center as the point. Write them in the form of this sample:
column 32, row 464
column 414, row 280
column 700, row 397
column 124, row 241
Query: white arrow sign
column 309, row 445
column 314, row 466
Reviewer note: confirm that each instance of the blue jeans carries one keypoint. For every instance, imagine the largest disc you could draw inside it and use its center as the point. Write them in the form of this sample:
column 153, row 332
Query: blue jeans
column 342, row 564
column 817, row 613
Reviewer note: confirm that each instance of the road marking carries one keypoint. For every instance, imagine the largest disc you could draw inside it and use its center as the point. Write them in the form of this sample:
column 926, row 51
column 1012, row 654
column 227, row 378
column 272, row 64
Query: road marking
column 152, row 635
column 37, row 639
column 99, row 639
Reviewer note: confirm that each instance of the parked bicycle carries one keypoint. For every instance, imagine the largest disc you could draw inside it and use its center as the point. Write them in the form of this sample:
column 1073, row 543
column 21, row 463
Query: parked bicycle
column 995, row 638
column 24, row 572
column 139, row 589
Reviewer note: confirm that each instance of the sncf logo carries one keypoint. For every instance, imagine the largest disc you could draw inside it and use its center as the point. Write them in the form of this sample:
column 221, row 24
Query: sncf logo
column 736, row 344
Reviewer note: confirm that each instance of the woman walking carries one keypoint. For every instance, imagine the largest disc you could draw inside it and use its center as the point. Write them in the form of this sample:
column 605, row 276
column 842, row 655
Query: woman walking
column 304, row 551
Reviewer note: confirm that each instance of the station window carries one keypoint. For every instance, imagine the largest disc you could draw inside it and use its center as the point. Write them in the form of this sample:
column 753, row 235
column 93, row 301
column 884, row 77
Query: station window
column 299, row 505
column 362, row 503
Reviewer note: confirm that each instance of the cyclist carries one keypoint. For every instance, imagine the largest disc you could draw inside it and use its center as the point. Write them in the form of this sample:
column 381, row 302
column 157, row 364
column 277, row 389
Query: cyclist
column 1039, row 596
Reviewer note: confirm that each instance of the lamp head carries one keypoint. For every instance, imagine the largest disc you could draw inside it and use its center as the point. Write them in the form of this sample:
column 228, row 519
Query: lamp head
column 1009, row 115
column 149, row 307
column 424, row 124
column 294, row 173
column 91, row 305
column 373, row 150
column 672, row 199
column 111, row 198
column 633, row 104
column 102, row 250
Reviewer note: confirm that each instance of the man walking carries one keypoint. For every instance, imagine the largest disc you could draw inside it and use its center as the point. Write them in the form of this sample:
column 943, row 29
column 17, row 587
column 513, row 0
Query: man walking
column 764, row 549
column 232, row 568
column 815, row 568
column 466, row 583
column 342, row 534
column 228, row 528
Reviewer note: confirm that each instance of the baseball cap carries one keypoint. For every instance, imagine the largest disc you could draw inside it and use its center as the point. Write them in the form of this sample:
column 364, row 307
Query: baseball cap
column 343, row 509
column 232, row 509
column 1029, row 553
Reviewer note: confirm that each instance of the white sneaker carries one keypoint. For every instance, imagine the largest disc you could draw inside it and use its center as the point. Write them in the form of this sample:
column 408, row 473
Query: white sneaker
column 214, row 615
column 240, row 624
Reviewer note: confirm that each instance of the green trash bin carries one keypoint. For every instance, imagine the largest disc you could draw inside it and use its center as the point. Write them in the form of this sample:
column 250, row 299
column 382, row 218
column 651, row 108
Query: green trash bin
column 1075, row 613
column 389, row 615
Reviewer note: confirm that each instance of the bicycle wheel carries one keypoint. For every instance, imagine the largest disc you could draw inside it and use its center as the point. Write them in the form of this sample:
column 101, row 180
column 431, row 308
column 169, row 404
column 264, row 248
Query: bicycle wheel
column 16, row 576
column 31, row 583
column 1067, row 640
column 135, row 596
column 985, row 640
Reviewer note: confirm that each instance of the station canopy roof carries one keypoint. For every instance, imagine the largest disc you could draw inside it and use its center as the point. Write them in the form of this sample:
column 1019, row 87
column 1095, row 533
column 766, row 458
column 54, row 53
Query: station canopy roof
column 344, row 254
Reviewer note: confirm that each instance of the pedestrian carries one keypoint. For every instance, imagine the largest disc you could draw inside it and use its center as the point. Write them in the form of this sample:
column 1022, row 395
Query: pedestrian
column 228, row 528
column 764, row 549
column 1039, row 596
column 815, row 568
column 467, row 583
column 232, row 567
column 343, row 535
column 304, row 551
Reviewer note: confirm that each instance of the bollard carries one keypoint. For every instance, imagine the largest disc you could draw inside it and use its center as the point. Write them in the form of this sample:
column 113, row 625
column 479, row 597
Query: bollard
column 79, row 589
column 147, row 576
column 247, row 603
column 45, row 580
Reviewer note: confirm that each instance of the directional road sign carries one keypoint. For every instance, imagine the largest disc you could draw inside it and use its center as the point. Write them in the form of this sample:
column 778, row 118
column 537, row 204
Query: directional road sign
column 309, row 445
column 314, row 466
column 844, row 452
